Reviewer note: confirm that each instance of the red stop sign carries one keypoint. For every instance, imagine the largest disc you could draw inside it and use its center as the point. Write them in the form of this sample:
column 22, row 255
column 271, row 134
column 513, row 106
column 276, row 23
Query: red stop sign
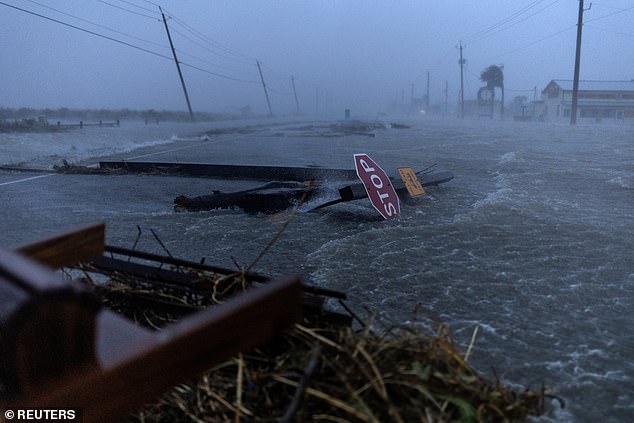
column 378, row 186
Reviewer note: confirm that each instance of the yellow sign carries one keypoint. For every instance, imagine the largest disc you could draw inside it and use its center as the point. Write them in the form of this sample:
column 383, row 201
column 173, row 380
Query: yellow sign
column 411, row 182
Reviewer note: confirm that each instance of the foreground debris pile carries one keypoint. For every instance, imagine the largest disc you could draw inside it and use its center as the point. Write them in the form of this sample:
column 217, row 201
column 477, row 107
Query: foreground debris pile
column 323, row 371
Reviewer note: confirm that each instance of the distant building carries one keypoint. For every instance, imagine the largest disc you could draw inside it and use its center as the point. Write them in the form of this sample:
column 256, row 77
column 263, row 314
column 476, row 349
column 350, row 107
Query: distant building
column 598, row 101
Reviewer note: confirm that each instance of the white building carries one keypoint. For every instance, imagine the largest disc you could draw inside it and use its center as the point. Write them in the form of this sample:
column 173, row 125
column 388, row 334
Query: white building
column 597, row 101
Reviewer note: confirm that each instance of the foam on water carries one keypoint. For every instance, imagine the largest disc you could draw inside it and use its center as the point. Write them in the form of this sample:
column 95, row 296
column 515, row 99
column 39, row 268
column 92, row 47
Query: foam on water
column 47, row 149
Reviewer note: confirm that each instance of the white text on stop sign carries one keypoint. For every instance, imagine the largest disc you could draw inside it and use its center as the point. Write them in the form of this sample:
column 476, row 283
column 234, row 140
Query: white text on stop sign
column 377, row 182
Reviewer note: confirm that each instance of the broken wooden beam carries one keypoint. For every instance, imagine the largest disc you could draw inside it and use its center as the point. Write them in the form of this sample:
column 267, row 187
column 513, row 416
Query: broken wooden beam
column 47, row 325
column 77, row 245
column 148, row 365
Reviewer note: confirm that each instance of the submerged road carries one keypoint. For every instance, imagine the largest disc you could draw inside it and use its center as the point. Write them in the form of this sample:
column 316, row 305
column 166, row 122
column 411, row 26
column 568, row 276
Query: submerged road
column 531, row 242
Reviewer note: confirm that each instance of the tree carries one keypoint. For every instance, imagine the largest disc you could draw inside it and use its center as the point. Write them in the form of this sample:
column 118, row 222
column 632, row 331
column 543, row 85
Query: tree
column 494, row 77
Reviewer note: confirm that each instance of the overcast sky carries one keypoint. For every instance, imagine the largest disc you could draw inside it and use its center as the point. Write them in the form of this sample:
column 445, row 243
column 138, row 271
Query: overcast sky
column 359, row 54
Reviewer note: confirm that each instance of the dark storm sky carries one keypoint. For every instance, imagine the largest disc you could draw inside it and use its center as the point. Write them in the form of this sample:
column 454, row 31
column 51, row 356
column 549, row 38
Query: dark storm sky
column 359, row 54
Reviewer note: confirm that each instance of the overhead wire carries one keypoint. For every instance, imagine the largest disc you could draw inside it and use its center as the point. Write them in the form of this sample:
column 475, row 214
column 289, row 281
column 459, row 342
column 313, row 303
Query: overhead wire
column 609, row 14
column 137, row 6
column 201, row 46
column 511, row 25
column 237, row 56
column 568, row 28
column 627, row 34
column 98, row 25
column 129, row 11
column 123, row 43
column 86, row 30
column 504, row 20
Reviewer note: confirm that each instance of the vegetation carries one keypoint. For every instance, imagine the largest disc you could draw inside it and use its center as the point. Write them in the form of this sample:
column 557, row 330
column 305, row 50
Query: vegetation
column 322, row 371
column 64, row 113
column 493, row 76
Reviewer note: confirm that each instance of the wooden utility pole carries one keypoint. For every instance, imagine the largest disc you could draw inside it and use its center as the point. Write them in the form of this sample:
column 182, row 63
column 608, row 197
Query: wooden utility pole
column 427, row 98
column 446, row 97
column 575, row 83
column 295, row 94
column 462, row 62
column 178, row 66
column 266, row 93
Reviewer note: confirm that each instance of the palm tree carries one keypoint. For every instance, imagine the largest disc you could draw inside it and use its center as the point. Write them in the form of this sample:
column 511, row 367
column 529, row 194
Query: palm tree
column 494, row 77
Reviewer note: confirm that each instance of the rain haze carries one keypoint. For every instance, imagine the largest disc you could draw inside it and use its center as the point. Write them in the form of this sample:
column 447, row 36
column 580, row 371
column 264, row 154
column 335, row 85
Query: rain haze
column 521, row 245
column 353, row 54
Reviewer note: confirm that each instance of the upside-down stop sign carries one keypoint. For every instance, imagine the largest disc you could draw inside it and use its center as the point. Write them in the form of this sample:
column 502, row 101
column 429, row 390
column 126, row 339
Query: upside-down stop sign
column 378, row 186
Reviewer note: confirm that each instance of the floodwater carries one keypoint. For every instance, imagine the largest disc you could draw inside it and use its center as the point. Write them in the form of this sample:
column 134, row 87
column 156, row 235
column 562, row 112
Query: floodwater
column 531, row 242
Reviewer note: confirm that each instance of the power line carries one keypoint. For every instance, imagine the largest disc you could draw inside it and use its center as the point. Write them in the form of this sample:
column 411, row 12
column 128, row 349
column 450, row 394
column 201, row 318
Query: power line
column 237, row 55
column 128, row 10
column 97, row 24
column 534, row 42
column 504, row 20
column 121, row 42
column 208, row 46
column 627, row 34
column 137, row 6
column 610, row 14
column 502, row 29
column 203, row 47
column 86, row 30
column 219, row 74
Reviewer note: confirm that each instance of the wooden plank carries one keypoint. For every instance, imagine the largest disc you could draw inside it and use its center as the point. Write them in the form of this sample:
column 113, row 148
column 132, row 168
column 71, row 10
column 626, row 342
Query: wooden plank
column 31, row 276
column 177, row 354
column 178, row 262
column 77, row 245
column 116, row 265
column 46, row 326
column 143, row 272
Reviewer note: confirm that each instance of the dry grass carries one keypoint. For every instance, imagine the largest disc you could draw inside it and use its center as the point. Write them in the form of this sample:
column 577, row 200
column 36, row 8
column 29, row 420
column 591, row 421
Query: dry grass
column 321, row 372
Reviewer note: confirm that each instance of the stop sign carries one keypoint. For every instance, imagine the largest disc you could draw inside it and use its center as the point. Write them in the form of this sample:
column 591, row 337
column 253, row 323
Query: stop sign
column 378, row 186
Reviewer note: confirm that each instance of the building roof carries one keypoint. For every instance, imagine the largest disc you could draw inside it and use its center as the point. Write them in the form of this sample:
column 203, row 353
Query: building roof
column 566, row 85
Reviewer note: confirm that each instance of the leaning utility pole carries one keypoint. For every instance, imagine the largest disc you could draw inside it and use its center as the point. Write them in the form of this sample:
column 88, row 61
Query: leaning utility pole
column 266, row 93
column 295, row 93
column 462, row 62
column 575, row 83
column 178, row 66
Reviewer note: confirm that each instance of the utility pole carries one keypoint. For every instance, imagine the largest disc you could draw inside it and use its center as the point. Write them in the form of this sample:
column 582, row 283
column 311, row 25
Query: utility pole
column 427, row 99
column 462, row 62
column 575, row 83
column 502, row 87
column 411, row 100
column 266, row 93
column 295, row 93
column 446, row 96
column 178, row 66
